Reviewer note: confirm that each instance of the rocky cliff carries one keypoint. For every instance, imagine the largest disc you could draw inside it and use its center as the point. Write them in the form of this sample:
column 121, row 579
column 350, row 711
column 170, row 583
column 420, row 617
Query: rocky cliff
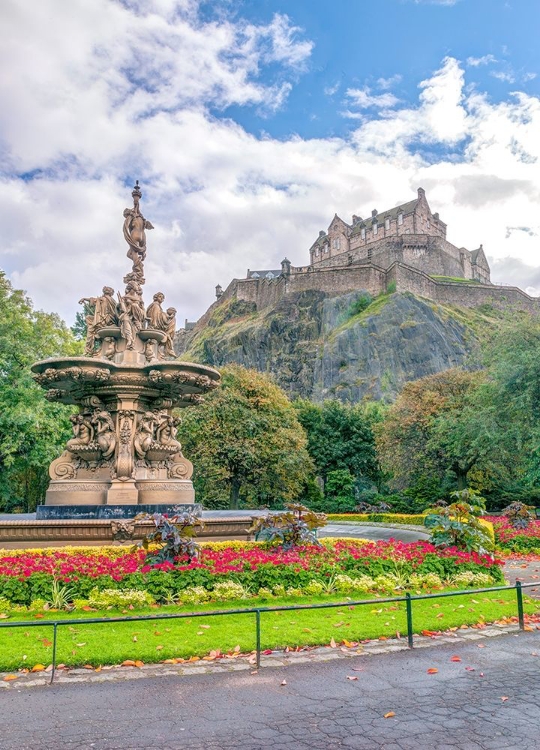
column 347, row 347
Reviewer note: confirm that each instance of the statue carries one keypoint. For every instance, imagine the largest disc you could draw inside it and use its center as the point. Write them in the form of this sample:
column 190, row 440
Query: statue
column 132, row 314
column 166, row 431
column 102, row 313
column 134, row 234
column 170, row 330
column 83, row 433
column 144, row 437
column 157, row 319
column 105, row 433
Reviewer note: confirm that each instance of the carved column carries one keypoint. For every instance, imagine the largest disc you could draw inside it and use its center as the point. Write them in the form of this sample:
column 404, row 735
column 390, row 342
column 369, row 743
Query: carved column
column 123, row 490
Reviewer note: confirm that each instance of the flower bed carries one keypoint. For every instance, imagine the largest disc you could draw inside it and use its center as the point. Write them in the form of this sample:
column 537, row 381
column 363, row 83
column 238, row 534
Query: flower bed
column 516, row 542
column 27, row 576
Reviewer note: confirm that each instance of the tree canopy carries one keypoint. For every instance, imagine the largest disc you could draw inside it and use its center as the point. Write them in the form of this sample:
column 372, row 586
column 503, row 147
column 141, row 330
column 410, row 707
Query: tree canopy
column 340, row 437
column 32, row 430
column 246, row 443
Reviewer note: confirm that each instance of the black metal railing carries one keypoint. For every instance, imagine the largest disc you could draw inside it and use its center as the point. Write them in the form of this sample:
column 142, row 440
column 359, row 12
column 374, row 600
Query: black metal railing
column 257, row 611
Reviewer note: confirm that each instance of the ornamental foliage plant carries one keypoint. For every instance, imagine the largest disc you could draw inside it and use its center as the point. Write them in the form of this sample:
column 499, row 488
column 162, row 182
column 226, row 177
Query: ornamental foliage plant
column 174, row 536
column 247, row 443
column 294, row 527
column 459, row 525
column 519, row 515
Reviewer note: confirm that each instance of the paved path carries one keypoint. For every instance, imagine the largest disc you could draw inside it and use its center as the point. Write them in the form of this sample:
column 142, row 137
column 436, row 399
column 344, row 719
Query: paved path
column 317, row 708
column 372, row 532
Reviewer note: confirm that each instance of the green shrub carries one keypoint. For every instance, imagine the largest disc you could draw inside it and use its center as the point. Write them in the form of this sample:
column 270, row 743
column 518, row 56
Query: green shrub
column 119, row 598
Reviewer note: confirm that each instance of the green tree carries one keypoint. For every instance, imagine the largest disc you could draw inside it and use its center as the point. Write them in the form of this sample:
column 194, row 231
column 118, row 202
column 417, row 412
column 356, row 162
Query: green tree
column 431, row 435
column 246, row 443
column 340, row 437
column 32, row 430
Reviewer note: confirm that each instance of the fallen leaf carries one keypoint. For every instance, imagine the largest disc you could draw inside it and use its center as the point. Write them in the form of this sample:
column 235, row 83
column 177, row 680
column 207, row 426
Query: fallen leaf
column 38, row 668
column 139, row 663
column 333, row 644
column 266, row 651
column 158, row 648
column 481, row 645
column 128, row 663
column 80, row 645
column 351, row 677
column 284, row 682
column 504, row 698
column 134, row 639
column 10, row 677
column 455, row 658
column 389, row 715
column 200, row 632
column 205, row 626
column 432, row 670
column 470, row 669
column 46, row 642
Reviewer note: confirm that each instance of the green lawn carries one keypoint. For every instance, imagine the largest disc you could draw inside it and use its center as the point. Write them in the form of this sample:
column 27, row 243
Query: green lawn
column 98, row 644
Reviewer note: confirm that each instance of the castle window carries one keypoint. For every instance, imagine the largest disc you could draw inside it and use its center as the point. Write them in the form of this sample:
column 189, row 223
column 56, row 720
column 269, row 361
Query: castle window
column 325, row 248
column 316, row 251
column 387, row 224
column 369, row 253
column 400, row 218
column 363, row 233
column 336, row 243
column 375, row 227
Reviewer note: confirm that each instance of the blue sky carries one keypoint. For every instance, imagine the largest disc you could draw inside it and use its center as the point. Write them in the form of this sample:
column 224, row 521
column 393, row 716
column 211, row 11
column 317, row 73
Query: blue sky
column 249, row 124
column 358, row 42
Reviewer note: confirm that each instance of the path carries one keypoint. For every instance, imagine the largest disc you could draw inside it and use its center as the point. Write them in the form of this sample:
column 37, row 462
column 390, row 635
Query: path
column 317, row 708
column 372, row 532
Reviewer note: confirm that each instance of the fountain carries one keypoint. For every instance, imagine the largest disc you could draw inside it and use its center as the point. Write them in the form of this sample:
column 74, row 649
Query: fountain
column 124, row 453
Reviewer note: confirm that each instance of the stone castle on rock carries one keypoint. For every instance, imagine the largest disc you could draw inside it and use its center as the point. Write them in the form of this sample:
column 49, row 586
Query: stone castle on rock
column 403, row 249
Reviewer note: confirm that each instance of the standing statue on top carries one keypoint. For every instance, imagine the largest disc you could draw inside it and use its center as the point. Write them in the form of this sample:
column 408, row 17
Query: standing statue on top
column 135, row 235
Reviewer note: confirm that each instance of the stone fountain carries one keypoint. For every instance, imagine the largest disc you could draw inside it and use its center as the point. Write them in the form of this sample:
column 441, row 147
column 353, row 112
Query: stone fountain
column 124, row 456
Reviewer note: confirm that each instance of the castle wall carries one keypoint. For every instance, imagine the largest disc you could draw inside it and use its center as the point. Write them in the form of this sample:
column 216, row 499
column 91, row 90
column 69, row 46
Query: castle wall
column 340, row 280
column 455, row 293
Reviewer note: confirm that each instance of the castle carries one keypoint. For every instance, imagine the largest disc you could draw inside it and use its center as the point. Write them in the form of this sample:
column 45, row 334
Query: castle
column 403, row 249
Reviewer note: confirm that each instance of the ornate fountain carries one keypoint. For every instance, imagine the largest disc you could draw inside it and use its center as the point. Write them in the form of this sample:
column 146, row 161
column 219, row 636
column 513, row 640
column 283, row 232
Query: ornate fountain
column 124, row 452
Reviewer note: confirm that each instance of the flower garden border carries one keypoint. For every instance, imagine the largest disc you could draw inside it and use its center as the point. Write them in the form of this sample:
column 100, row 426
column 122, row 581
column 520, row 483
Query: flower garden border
column 257, row 611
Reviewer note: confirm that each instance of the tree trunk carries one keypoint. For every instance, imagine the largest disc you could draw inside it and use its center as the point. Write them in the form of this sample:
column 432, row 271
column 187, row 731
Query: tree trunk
column 235, row 493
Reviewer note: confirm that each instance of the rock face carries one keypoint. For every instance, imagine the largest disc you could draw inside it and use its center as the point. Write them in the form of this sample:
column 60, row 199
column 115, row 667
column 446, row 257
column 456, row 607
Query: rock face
column 347, row 347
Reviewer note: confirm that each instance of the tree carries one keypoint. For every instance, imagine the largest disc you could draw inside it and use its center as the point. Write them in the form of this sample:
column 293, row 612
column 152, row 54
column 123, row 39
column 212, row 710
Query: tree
column 246, row 443
column 432, row 431
column 32, row 430
column 340, row 437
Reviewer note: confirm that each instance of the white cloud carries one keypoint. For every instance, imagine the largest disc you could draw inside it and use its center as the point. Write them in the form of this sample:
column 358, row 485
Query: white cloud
column 502, row 75
column 387, row 83
column 120, row 94
column 363, row 99
column 484, row 60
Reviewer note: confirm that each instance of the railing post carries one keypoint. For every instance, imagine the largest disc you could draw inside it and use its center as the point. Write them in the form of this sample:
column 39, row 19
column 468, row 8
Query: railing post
column 408, row 604
column 258, row 637
column 519, row 596
column 53, row 653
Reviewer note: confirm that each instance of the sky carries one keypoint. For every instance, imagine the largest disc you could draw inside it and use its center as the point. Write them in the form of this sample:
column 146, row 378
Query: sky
column 249, row 124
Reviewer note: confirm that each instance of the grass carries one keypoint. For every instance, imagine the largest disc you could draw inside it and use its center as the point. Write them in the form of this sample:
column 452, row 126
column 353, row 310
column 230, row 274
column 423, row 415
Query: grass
column 98, row 644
